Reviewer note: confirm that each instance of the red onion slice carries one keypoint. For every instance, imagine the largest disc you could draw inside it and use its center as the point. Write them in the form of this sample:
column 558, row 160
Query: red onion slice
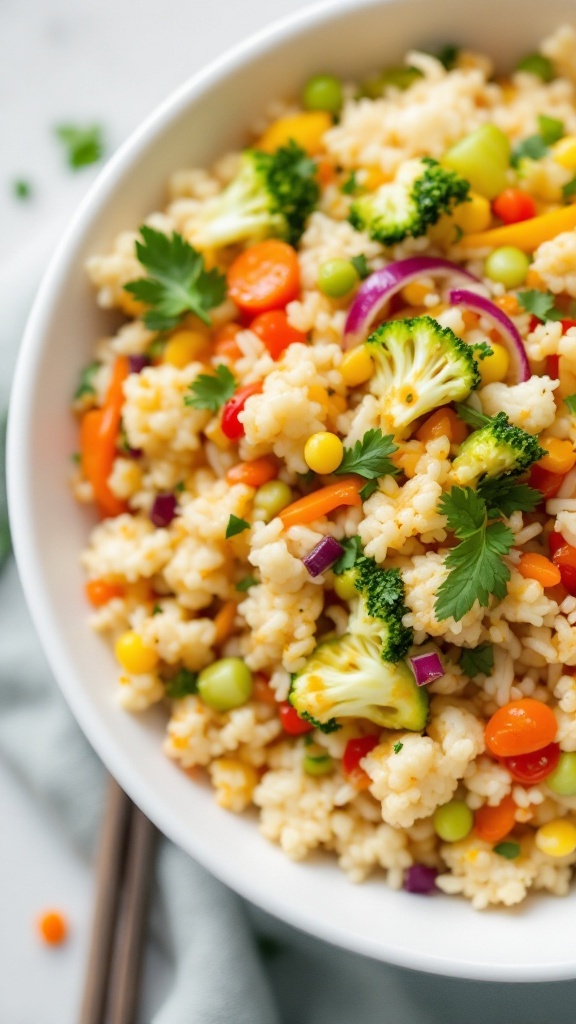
column 510, row 335
column 420, row 879
column 326, row 552
column 377, row 289
column 164, row 509
column 426, row 667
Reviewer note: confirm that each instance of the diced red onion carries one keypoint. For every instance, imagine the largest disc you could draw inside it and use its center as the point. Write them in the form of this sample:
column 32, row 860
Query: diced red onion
column 377, row 289
column 420, row 879
column 163, row 509
column 133, row 453
column 510, row 335
column 427, row 667
column 326, row 552
column 137, row 363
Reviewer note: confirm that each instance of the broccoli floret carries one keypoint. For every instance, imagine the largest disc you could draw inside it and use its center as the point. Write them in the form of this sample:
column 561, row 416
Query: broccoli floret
column 402, row 208
column 361, row 674
column 272, row 195
column 419, row 366
column 497, row 449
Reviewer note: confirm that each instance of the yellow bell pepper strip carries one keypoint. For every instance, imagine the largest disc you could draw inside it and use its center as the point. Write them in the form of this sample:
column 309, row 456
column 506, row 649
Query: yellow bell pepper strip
column 306, row 129
column 526, row 234
column 323, row 501
column 98, row 437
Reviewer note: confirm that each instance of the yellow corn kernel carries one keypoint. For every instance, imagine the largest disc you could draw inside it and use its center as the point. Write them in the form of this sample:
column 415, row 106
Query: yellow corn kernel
column 356, row 367
column 134, row 655
column 557, row 838
column 215, row 434
column 474, row 215
column 373, row 177
column 183, row 347
column 323, row 452
column 561, row 457
column 494, row 367
column 336, row 405
column 443, row 232
column 415, row 293
column 130, row 305
column 564, row 152
column 533, row 280
column 305, row 129
column 316, row 393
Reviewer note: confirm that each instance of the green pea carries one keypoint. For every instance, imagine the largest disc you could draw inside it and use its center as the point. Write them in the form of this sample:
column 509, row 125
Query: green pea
column 453, row 821
column 536, row 64
column 563, row 779
column 337, row 277
column 399, row 78
column 316, row 761
column 507, row 265
column 323, row 92
column 344, row 585
column 483, row 158
column 271, row 498
column 225, row 684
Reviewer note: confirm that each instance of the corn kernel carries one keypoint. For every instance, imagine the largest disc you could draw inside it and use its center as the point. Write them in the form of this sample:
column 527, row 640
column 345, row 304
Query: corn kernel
column 495, row 366
column 415, row 293
column 305, row 129
column 130, row 305
column 561, row 457
column 184, row 347
column 357, row 367
column 323, row 452
column 133, row 654
column 316, row 393
column 474, row 215
column 215, row 434
column 564, row 152
column 373, row 177
column 557, row 838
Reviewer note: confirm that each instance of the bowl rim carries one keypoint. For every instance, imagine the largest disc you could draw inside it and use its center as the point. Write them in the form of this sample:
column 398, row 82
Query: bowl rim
column 19, row 430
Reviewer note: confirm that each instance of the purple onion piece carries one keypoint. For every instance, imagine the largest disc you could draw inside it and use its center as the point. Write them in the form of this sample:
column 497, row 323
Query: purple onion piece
column 377, row 289
column 426, row 667
column 509, row 332
column 326, row 552
column 420, row 879
column 164, row 509
column 137, row 363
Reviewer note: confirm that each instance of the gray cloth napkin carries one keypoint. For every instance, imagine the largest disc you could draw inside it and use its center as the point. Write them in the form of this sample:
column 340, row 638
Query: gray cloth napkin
column 232, row 964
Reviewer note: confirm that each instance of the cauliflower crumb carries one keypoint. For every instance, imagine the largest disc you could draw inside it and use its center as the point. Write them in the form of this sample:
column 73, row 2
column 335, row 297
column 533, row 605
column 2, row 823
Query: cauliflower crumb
column 555, row 263
column 234, row 782
column 139, row 692
column 529, row 405
column 197, row 734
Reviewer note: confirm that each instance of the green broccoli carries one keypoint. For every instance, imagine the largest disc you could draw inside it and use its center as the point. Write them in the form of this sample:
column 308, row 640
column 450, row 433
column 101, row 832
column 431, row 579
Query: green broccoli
column 497, row 449
column 400, row 209
column 361, row 674
column 419, row 366
column 272, row 195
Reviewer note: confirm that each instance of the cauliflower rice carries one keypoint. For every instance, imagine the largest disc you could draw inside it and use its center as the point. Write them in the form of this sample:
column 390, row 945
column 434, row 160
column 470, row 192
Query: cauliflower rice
column 192, row 563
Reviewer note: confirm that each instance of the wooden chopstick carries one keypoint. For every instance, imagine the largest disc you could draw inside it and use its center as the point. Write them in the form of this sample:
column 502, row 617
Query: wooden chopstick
column 124, row 861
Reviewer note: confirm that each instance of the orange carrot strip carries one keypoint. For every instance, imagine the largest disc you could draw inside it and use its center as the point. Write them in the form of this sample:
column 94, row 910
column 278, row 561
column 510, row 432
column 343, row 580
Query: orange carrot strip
column 323, row 501
column 537, row 567
column 98, row 436
column 224, row 621
column 254, row 473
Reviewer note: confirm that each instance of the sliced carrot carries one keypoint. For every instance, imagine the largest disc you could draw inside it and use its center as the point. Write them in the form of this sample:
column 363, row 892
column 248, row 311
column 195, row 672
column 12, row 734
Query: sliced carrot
column 98, row 436
column 494, row 823
column 224, row 621
column 275, row 331
column 254, row 473
column 560, row 457
column 526, row 234
column 100, row 591
column 533, row 566
column 225, row 344
column 265, row 276
column 263, row 691
column 320, row 503
column 442, row 423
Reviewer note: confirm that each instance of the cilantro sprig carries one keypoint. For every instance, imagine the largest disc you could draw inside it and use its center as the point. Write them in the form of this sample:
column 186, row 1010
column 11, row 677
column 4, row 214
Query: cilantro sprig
column 211, row 391
column 177, row 282
column 182, row 684
column 370, row 456
column 352, row 549
column 84, row 145
column 477, row 661
column 536, row 146
column 235, row 526
column 542, row 306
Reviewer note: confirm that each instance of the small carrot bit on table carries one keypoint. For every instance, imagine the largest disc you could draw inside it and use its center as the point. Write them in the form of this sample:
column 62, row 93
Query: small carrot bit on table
column 53, row 927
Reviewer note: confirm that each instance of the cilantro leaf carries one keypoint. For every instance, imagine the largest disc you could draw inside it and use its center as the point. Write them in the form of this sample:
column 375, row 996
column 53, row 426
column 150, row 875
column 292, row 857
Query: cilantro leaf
column 360, row 265
column 533, row 147
column 86, row 382
column 478, row 660
column 464, row 509
column 352, row 548
column 83, row 145
column 177, row 281
column 471, row 416
column 540, row 304
column 448, row 55
column 551, row 129
column 211, row 391
column 22, row 189
column 570, row 402
column 505, row 496
column 350, row 186
column 236, row 525
column 508, row 850
column 397, row 747
column 369, row 457
column 569, row 189
column 182, row 684
column 368, row 490
column 244, row 584
column 477, row 571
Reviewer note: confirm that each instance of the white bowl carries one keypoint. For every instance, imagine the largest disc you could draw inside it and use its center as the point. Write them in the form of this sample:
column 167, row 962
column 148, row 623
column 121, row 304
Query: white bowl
column 205, row 118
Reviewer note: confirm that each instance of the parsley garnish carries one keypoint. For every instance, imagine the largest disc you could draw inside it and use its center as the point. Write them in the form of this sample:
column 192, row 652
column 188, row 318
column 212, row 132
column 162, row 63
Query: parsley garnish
column 397, row 747
column 551, row 129
column 536, row 146
column 570, row 403
column 368, row 490
column 243, row 585
column 180, row 487
column 540, row 304
column 569, row 189
column 22, row 189
column 182, row 684
column 83, row 145
column 448, row 55
column 508, row 850
column 352, row 548
column 369, row 457
column 236, row 525
column 471, row 416
column 211, row 391
column 476, row 567
column 177, row 281
column 478, row 661
column 86, row 382
column 157, row 610
column 505, row 496
column 350, row 186
column 361, row 266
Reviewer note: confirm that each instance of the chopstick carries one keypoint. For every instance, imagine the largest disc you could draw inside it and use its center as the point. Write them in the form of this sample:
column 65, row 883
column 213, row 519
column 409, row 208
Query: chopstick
column 123, row 871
